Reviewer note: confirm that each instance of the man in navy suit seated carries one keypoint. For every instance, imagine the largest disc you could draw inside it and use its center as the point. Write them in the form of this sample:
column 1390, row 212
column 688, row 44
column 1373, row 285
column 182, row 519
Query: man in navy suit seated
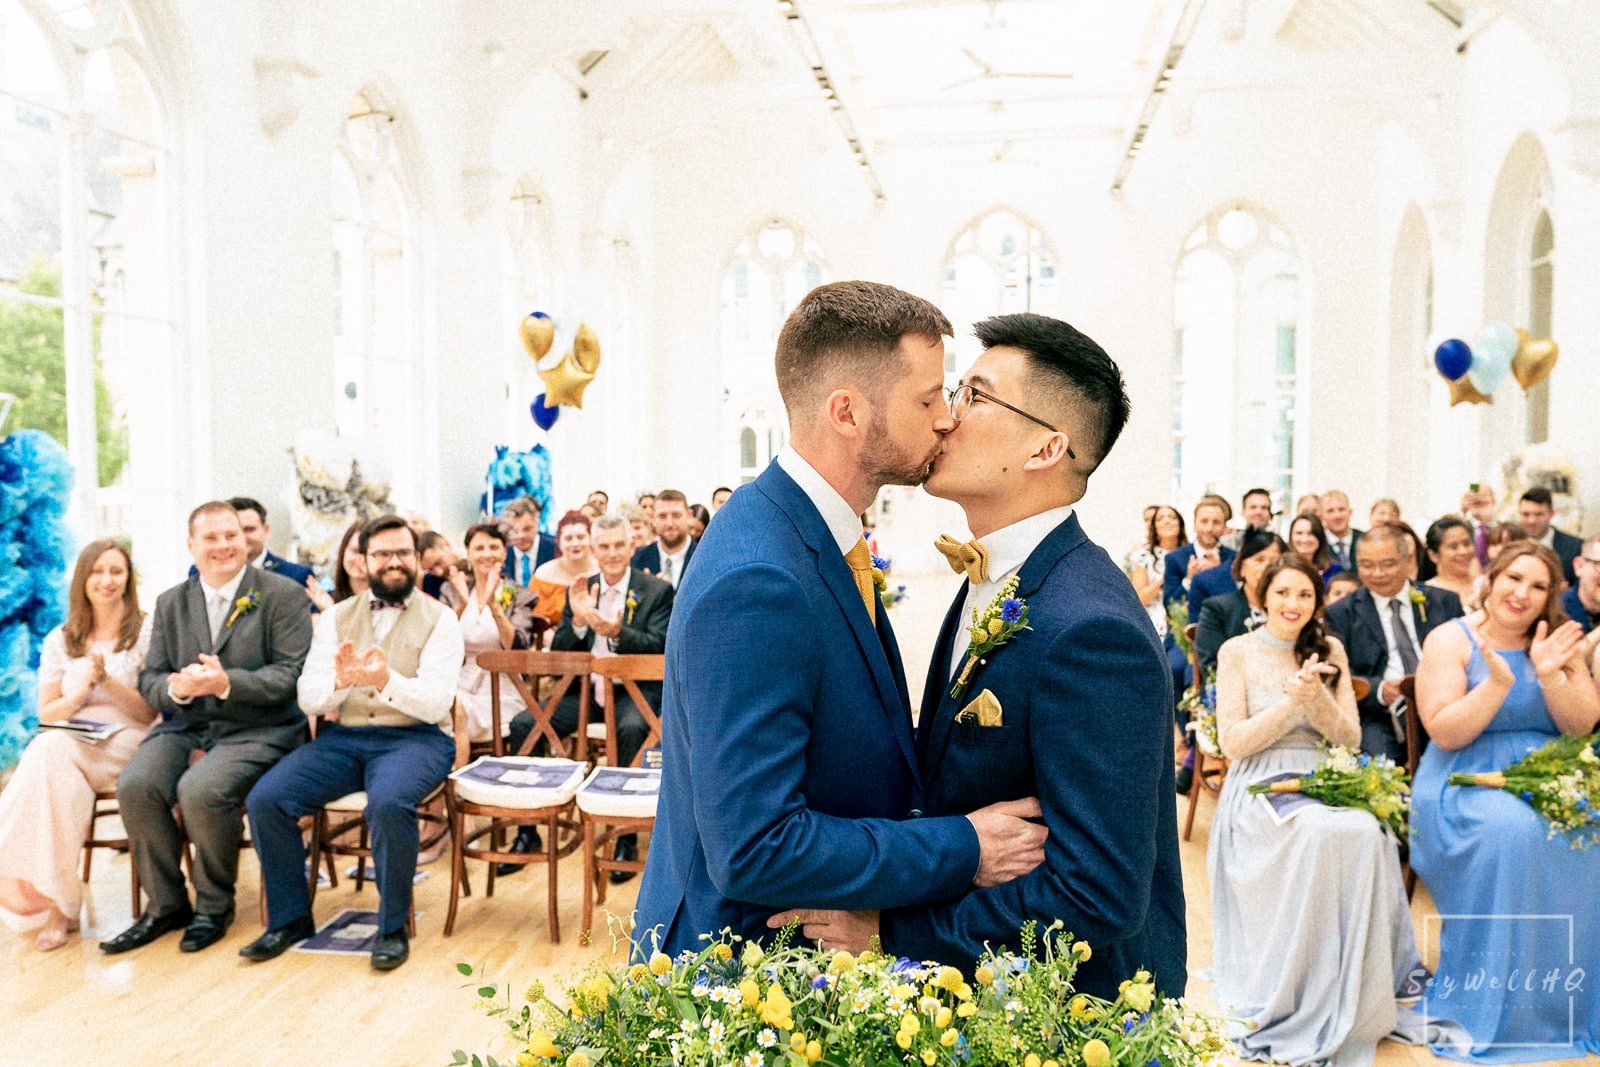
column 1535, row 510
column 1076, row 707
column 528, row 548
column 1581, row 601
column 789, row 773
column 1204, row 552
column 667, row 557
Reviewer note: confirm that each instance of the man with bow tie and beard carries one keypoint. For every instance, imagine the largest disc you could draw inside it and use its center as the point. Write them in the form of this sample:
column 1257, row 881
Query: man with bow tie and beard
column 1067, row 699
column 382, row 673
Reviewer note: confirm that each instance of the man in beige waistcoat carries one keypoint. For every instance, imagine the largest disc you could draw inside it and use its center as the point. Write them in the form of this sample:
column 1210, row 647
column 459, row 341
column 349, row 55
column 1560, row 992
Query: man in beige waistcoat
column 382, row 673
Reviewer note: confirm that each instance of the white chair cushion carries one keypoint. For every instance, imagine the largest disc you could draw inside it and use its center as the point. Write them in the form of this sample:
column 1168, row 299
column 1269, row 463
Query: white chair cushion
column 519, row 781
column 623, row 792
column 356, row 802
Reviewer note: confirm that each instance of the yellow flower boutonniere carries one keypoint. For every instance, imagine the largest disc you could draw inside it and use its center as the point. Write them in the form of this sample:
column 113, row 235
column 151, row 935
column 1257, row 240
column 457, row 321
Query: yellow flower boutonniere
column 1421, row 601
column 1004, row 618
column 506, row 595
column 632, row 606
column 244, row 606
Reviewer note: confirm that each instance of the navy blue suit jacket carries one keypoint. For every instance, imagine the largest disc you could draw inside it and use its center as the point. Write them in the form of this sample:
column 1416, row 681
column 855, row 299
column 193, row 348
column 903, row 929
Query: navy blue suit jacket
column 1354, row 621
column 1086, row 700
column 1567, row 546
column 789, row 774
column 1573, row 606
column 1178, row 570
column 544, row 552
column 648, row 558
column 1213, row 581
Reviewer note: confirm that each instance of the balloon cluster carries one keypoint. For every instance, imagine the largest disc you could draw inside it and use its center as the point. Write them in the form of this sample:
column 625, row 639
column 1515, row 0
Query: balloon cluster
column 1476, row 371
column 565, row 379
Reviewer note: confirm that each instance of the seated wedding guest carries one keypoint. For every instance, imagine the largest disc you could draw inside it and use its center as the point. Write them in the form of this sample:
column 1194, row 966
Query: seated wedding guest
column 1502, row 534
column 1211, row 517
column 669, row 555
column 1419, row 551
column 1340, row 586
column 1146, row 565
column 638, row 525
column 1581, row 601
column 1382, row 627
column 588, row 511
column 698, row 517
column 1334, row 511
column 1224, row 617
column 382, row 673
column 1311, row 932
column 646, row 502
column 1534, row 512
column 349, row 572
column 577, row 556
column 435, row 560
column 226, row 647
column 600, row 501
column 1144, row 524
column 1477, row 507
column 1255, row 510
column 1309, row 541
column 1454, row 559
column 621, row 611
column 530, row 549
column 1309, row 504
column 1384, row 510
column 89, row 670
column 253, row 517
column 1491, row 687
column 493, row 614
column 719, row 497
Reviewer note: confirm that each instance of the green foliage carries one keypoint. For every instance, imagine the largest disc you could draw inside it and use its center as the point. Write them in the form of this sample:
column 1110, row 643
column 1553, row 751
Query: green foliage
column 33, row 367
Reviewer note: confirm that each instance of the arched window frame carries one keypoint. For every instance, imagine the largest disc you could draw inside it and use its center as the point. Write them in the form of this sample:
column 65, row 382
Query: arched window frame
column 1021, row 269
column 1536, row 299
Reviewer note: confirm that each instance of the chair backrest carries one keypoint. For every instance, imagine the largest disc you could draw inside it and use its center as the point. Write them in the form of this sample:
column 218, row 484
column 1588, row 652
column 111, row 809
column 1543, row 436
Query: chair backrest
column 630, row 671
column 1361, row 688
column 524, row 669
column 1416, row 733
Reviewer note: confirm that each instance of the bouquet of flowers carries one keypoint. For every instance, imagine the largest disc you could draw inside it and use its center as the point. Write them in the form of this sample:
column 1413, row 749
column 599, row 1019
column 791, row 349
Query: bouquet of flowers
column 793, row 1006
column 1177, row 623
column 1559, row 780
column 889, row 594
column 1200, row 704
column 1345, row 779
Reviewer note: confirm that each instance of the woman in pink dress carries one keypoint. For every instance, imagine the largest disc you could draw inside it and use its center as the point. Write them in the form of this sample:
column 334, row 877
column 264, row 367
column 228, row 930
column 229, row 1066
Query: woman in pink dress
column 89, row 670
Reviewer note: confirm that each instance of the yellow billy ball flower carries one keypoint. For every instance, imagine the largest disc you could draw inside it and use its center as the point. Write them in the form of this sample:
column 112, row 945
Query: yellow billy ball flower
column 1096, row 1053
column 1082, row 950
column 577, row 1059
column 598, row 987
column 1031, row 1060
column 948, row 1038
column 750, row 992
column 942, row 1017
column 985, row 976
column 534, row 993
column 813, row 1051
column 722, row 951
column 638, row 972
column 949, row 979
column 660, row 964
column 929, row 1057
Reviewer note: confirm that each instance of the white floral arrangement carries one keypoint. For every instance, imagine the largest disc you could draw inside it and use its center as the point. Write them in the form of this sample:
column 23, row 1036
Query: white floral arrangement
column 335, row 482
column 1545, row 466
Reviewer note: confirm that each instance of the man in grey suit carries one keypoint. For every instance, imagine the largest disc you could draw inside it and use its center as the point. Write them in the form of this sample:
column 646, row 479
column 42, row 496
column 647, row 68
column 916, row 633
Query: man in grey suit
column 226, row 647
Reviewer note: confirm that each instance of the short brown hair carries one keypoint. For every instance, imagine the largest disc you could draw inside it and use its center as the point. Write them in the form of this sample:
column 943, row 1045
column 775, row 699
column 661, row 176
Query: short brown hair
column 849, row 330
column 210, row 507
column 671, row 496
column 523, row 505
column 1212, row 500
column 1553, row 614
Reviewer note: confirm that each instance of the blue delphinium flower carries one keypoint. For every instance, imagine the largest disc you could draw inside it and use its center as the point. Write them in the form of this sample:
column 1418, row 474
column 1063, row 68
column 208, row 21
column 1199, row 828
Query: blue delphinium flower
column 880, row 563
column 1011, row 610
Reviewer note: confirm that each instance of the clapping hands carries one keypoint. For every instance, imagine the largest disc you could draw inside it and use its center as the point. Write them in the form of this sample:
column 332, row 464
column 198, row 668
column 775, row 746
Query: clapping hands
column 204, row 678
column 1558, row 652
column 369, row 668
column 1303, row 685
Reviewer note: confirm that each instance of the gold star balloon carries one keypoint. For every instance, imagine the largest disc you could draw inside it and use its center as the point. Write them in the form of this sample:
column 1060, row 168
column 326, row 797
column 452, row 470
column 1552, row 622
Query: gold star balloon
column 538, row 333
column 1462, row 392
column 564, row 382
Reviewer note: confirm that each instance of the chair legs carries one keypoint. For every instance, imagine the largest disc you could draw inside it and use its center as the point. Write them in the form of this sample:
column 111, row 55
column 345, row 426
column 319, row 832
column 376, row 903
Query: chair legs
column 589, row 878
column 1196, row 784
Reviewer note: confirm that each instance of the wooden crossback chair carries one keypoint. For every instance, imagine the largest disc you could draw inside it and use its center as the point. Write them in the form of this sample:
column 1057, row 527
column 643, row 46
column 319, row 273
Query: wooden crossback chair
column 496, row 743
column 327, row 835
column 524, row 669
column 1206, row 780
column 601, row 824
column 1416, row 744
column 105, row 807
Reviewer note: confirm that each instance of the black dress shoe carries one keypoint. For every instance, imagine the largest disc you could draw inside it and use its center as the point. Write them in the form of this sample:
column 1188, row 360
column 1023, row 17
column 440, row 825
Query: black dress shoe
column 147, row 929
column 527, row 843
column 391, row 950
column 626, row 851
column 273, row 943
column 1183, row 781
column 204, row 931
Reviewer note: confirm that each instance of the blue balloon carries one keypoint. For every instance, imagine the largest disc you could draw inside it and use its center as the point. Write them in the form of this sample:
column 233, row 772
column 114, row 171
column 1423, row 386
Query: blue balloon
column 1491, row 357
column 545, row 417
column 1453, row 359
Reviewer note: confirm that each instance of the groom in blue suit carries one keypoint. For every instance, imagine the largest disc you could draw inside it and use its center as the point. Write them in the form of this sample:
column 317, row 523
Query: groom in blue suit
column 1076, row 708
column 790, row 773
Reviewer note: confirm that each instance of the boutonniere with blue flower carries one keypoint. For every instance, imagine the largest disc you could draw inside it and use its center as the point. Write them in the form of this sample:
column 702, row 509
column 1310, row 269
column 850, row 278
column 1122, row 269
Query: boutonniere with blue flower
column 1421, row 601
column 880, row 580
column 1004, row 617
column 244, row 605
column 506, row 595
column 631, row 607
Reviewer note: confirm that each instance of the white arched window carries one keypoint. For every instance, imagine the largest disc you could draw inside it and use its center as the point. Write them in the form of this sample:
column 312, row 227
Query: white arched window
column 999, row 264
column 768, row 272
column 86, row 330
column 375, row 347
column 1236, row 359
column 1540, row 291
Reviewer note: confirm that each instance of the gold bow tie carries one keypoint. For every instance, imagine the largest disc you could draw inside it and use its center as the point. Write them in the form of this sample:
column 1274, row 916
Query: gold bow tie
column 968, row 556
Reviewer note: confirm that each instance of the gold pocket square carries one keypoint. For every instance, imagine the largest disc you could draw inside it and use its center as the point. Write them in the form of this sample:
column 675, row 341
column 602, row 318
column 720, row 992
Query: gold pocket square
column 985, row 710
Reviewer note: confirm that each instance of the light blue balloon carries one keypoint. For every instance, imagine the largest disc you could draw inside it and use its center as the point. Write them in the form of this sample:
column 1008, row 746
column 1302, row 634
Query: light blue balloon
column 1491, row 357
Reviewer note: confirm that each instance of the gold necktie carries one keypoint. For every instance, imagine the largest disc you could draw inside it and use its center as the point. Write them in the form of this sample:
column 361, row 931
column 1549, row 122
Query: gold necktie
column 968, row 556
column 859, row 559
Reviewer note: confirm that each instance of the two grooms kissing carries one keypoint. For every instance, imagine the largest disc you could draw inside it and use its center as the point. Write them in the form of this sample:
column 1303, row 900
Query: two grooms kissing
column 1037, row 782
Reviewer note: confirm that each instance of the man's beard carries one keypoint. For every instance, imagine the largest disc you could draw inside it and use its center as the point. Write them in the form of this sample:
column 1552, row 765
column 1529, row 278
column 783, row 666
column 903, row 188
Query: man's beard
column 392, row 592
column 888, row 464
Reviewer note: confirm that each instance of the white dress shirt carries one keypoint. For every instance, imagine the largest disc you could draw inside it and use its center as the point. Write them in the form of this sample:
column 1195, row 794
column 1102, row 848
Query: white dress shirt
column 427, row 698
column 1008, row 548
column 842, row 521
column 1393, row 669
column 672, row 563
column 611, row 601
column 517, row 556
column 219, row 605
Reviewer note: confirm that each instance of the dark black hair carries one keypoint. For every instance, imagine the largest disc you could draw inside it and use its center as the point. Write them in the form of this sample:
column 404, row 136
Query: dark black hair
column 1248, row 493
column 1071, row 370
column 1324, row 555
column 383, row 524
column 1252, row 542
column 1537, row 495
column 1434, row 540
column 1313, row 636
column 244, row 503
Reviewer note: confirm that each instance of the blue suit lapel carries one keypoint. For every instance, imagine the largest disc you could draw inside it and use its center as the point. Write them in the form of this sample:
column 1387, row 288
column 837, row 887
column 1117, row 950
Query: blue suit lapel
column 933, row 729
column 835, row 576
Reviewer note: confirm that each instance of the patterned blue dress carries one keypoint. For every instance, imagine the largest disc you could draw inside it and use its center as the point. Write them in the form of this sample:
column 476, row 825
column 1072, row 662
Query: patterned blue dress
column 1519, row 957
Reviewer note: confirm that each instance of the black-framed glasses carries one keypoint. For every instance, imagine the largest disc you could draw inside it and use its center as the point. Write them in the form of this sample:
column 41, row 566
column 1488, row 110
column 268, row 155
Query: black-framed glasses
column 961, row 402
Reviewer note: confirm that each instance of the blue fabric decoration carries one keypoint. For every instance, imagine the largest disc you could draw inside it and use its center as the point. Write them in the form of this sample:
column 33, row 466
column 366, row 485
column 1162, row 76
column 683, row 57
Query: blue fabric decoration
column 515, row 474
column 35, row 480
